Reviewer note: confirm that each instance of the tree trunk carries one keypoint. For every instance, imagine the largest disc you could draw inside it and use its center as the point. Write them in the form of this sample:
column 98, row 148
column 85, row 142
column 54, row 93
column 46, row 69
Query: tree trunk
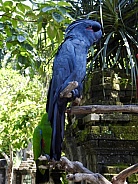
column 9, row 170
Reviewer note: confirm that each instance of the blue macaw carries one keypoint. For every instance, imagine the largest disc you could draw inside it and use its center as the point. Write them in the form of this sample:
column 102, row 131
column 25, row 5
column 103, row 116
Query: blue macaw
column 69, row 65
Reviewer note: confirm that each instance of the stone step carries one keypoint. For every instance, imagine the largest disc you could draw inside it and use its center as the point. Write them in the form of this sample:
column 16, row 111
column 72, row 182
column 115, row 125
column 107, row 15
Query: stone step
column 118, row 132
column 107, row 117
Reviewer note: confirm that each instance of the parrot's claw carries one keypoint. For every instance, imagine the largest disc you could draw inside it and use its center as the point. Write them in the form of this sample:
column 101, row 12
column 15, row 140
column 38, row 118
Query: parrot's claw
column 47, row 156
column 77, row 101
column 43, row 167
column 44, row 157
column 75, row 94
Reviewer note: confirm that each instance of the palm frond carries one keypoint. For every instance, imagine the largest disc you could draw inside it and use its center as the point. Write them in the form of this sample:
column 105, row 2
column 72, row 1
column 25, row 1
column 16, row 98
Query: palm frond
column 105, row 48
column 132, row 63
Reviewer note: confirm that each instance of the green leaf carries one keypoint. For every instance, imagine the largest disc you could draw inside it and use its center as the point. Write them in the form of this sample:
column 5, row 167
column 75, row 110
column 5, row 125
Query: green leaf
column 19, row 17
column 1, row 44
column 57, row 17
column 105, row 47
column 21, row 38
column 26, row 7
column 1, row 26
column 14, row 23
column 51, row 31
column 39, row 27
column 28, row 47
column 69, row 16
column 62, row 10
column 21, row 7
column 47, row 8
column 31, row 14
column 132, row 63
column 59, row 36
column 7, row 30
column 93, row 61
column 11, row 38
column 8, row 4
column 132, row 39
column 8, row 45
column 63, row 3
column 127, row 48
column 117, row 55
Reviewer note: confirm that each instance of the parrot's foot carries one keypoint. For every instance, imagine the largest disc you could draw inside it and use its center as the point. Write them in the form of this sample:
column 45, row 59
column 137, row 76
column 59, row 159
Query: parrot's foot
column 67, row 91
column 77, row 101
column 75, row 94
column 76, row 97
column 43, row 167
column 47, row 156
column 44, row 157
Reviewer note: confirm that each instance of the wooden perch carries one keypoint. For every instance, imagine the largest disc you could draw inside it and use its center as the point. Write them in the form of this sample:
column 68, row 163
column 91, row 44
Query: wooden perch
column 121, row 177
column 73, row 166
column 67, row 91
column 82, row 173
column 102, row 109
column 93, row 178
column 79, row 172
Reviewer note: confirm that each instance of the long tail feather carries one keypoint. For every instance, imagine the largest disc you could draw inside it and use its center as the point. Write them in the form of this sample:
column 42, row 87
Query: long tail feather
column 58, row 132
column 42, row 178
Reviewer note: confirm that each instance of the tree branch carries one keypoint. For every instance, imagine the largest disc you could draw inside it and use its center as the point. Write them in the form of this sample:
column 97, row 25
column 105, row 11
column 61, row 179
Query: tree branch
column 79, row 172
column 121, row 177
column 102, row 109
column 6, row 157
column 73, row 166
column 93, row 178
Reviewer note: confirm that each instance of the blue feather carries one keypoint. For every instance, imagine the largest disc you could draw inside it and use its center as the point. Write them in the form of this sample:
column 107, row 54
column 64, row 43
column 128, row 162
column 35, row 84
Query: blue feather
column 69, row 65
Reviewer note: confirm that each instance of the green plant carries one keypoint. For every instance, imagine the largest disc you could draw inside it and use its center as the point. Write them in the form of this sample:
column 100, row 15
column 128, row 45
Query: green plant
column 120, row 42
column 22, row 103
column 31, row 34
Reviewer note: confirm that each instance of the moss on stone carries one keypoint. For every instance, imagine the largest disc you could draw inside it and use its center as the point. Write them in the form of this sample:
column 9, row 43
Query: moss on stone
column 125, row 132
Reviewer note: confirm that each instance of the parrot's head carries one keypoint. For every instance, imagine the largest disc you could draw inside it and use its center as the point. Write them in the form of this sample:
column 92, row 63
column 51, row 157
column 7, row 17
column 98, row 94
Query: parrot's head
column 84, row 29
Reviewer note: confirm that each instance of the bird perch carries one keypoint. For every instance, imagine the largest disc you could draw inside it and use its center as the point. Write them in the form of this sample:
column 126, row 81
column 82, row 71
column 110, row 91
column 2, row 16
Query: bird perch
column 67, row 91
column 79, row 172
column 102, row 109
column 121, row 177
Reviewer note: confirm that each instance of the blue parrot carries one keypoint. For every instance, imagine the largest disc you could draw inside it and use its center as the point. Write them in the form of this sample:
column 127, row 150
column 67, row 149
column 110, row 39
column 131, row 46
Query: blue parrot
column 69, row 65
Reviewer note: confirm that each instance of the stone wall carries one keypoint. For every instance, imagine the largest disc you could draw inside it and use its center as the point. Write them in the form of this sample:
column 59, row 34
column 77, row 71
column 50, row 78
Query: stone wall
column 2, row 171
column 104, row 146
column 109, row 87
column 105, row 143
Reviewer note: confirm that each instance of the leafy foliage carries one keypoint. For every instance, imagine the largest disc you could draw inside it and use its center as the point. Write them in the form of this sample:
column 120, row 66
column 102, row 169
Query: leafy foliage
column 29, row 38
column 120, row 41
column 29, row 35
column 22, row 103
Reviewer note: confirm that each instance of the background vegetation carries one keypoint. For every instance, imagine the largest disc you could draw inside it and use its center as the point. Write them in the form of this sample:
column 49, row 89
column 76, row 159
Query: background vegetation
column 30, row 34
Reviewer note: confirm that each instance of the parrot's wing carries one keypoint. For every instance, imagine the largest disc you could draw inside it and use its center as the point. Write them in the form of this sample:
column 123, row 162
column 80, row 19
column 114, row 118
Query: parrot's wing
column 47, row 134
column 63, row 67
column 69, row 65
column 37, row 143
